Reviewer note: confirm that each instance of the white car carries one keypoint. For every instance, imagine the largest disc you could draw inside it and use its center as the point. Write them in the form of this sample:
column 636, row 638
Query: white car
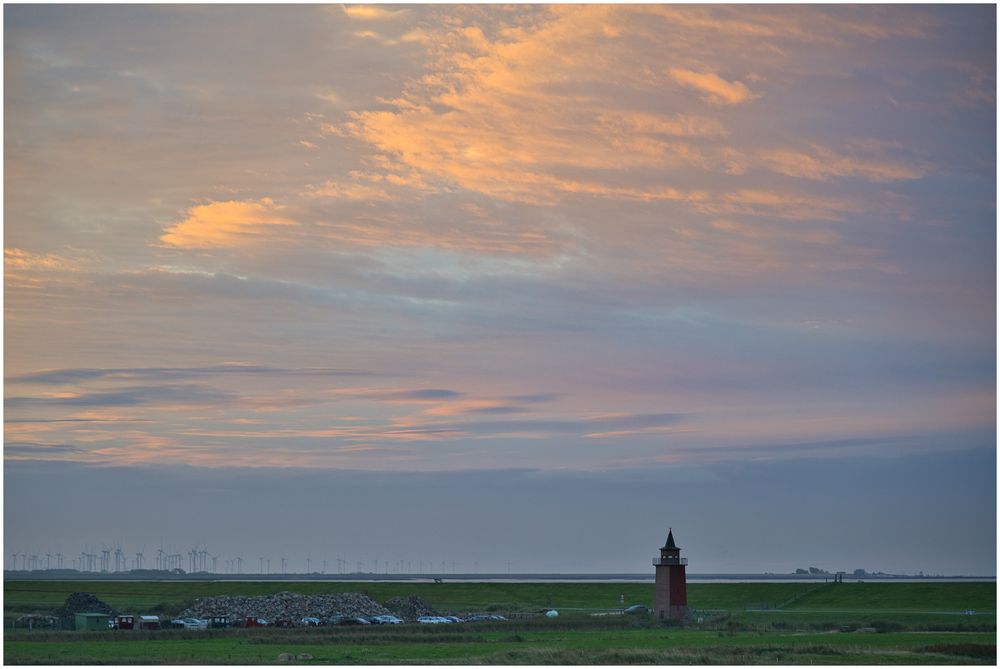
column 433, row 620
column 190, row 623
column 386, row 620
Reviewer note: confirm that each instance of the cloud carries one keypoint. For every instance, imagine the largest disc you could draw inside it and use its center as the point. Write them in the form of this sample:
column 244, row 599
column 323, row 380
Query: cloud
column 372, row 12
column 230, row 223
column 822, row 163
column 766, row 26
column 822, row 448
column 517, row 116
column 771, row 203
column 172, row 395
column 674, row 125
column 716, row 90
column 78, row 375
column 541, row 428
column 475, row 407
column 26, row 450
column 19, row 259
column 418, row 394
column 534, row 398
column 349, row 191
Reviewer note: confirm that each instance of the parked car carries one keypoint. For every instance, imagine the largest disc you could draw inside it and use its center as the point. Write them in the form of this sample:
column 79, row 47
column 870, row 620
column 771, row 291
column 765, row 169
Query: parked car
column 480, row 617
column 310, row 621
column 433, row 620
column 386, row 620
column 349, row 620
column 637, row 609
column 190, row 623
column 255, row 622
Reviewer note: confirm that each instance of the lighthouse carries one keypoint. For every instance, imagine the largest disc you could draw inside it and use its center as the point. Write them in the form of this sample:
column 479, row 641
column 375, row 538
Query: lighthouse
column 671, row 584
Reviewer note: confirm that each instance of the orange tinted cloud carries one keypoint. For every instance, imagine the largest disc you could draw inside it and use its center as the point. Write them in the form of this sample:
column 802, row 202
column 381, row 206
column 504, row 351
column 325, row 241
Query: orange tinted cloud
column 796, row 206
column 511, row 115
column 714, row 88
column 371, row 12
column 231, row 223
column 347, row 191
column 19, row 259
column 824, row 163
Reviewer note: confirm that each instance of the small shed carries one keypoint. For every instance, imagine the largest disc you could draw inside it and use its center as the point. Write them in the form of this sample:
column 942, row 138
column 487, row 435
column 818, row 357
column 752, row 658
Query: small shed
column 90, row 621
column 149, row 622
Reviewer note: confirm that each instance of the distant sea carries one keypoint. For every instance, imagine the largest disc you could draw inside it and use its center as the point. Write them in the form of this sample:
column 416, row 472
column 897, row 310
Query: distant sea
column 152, row 575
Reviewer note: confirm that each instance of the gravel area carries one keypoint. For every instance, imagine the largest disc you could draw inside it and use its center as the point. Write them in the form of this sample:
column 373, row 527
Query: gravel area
column 286, row 606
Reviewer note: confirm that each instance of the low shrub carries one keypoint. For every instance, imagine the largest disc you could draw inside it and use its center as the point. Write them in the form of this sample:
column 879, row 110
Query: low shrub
column 980, row 651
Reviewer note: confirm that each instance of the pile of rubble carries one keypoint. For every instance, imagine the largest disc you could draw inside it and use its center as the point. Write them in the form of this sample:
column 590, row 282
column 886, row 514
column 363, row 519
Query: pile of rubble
column 410, row 608
column 82, row 602
column 286, row 606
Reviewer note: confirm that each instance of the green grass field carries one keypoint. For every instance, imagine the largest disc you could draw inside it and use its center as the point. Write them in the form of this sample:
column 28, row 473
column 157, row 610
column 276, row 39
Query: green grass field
column 740, row 623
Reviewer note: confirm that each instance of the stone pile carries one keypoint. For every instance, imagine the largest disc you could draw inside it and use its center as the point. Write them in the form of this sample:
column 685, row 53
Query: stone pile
column 83, row 602
column 286, row 606
column 410, row 608
column 80, row 602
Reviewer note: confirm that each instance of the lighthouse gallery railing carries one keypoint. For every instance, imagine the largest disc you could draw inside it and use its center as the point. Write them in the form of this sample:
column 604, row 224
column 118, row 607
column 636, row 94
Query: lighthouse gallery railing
column 662, row 561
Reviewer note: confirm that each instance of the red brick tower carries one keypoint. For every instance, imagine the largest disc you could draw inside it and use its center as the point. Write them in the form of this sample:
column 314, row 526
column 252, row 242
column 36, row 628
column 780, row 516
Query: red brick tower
column 671, row 583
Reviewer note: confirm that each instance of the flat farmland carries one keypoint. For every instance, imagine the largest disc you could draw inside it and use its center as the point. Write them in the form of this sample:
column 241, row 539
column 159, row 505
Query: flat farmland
column 733, row 623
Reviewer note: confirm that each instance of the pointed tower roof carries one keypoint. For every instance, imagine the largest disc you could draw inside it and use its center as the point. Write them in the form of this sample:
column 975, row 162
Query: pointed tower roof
column 670, row 539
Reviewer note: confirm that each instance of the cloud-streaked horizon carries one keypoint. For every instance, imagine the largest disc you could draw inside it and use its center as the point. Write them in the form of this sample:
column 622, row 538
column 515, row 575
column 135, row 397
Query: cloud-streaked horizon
column 471, row 237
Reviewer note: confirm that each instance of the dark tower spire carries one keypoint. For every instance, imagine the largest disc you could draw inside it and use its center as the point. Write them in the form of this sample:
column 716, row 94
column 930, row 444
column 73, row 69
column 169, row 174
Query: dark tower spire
column 670, row 539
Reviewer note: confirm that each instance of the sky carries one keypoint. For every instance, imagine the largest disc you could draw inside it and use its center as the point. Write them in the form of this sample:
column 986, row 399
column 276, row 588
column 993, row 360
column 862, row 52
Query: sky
column 491, row 285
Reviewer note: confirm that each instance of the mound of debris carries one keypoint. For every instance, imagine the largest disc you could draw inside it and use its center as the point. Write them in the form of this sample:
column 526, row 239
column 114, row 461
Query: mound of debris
column 286, row 606
column 82, row 602
column 410, row 608
column 37, row 621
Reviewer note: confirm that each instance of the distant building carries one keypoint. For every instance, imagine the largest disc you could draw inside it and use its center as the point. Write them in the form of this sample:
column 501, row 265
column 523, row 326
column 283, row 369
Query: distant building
column 90, row 621
column 671, row 581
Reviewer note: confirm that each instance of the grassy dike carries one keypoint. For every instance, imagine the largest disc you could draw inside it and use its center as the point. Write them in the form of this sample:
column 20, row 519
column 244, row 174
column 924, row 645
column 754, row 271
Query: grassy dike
column 741, row 623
